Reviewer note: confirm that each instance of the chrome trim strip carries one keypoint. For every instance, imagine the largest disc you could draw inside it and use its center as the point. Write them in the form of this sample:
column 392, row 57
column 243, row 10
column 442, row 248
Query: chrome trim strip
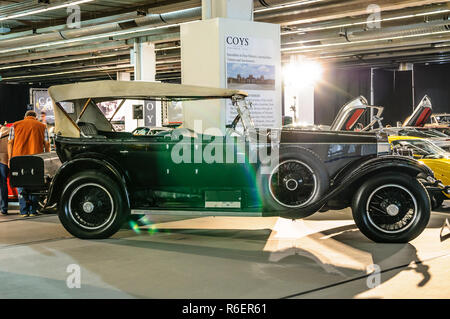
column 194, row 213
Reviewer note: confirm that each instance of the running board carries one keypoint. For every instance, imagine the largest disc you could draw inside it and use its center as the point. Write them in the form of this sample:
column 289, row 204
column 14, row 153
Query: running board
column 194, row 213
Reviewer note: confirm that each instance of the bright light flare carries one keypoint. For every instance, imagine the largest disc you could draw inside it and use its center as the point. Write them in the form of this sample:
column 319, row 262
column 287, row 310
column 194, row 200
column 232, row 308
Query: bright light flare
column 302, row 74
column 134, row 226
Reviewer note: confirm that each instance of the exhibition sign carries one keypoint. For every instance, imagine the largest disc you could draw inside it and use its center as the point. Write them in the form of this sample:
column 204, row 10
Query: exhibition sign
column 251, row 66
column 150, row 113
column 42, row 103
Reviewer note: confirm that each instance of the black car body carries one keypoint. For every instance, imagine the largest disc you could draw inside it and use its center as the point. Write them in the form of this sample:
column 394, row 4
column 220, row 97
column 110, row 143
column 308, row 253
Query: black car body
column 105, row 176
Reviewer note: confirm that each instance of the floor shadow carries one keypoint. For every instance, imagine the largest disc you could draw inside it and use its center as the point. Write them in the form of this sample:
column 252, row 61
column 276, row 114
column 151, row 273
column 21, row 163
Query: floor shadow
column 392, row 258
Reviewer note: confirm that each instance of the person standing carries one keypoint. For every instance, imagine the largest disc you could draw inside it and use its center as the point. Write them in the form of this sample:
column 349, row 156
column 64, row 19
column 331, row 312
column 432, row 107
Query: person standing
column 43, row 118
column 4, row 132
column 28, row 137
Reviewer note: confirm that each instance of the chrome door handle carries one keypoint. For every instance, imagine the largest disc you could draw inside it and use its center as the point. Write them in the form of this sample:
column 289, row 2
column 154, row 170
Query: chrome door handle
column 124, row 152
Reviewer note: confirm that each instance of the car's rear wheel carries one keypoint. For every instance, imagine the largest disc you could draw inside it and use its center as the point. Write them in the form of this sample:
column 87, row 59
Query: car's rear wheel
column 391, row 208
column 296, row 181
column 92, row 206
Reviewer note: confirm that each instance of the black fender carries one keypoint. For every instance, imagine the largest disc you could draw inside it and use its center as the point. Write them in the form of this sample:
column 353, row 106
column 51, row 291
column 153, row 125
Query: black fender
column 73, row 166
column 354, row 174
column 385, row 163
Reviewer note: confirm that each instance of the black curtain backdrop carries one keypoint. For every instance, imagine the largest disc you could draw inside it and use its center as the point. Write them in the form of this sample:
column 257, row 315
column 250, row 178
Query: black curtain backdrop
column 338, row 87
column 393, row 91
column 433, row 80
column 13, row 102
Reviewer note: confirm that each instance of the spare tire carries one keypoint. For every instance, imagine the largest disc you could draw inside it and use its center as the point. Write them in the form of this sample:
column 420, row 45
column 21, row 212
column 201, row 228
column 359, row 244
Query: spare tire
column 298, row 180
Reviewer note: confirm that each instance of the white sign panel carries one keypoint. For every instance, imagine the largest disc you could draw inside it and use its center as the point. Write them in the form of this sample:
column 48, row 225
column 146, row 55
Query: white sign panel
column 150, row 113
column 251, row 66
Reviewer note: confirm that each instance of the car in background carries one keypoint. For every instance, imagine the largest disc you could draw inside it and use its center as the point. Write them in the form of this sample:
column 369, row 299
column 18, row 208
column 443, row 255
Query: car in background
column 438, row 138
column 149, row 130
column 440, row 118
column 351, row 117
column 443, row 129
column 440, row 122
column 414, row 126
column 429, row 154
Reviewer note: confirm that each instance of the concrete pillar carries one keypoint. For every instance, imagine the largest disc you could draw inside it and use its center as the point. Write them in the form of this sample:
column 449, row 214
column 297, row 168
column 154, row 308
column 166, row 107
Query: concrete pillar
column 299, row 103
column 231, row 9
column 123, row 76
column 144, row 60
column 225, row 42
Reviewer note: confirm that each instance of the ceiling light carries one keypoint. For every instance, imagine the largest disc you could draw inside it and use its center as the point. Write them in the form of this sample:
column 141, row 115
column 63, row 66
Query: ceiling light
column 167, row 48
column 54, row 62
column 50, row 8
column 87, row 38
column 69, row 72
column 320, row 46
column 288, row 5
column 320, row 28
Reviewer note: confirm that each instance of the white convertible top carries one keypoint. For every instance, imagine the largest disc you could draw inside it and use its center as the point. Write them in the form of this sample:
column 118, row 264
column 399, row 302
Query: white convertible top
column 137, row 90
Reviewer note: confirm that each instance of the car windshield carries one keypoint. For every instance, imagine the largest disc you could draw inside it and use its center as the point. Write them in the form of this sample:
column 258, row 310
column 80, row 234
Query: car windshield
column 140, row 131
column 420, row 133
column 444, row 119
column 422, row 148
column 433, row 133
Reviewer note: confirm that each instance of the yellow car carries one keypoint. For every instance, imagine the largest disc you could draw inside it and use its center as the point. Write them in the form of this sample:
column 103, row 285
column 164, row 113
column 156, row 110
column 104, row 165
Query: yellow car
column 431, row 155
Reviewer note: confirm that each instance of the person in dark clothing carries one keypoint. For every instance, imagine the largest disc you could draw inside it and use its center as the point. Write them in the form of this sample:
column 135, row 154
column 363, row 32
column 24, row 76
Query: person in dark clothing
column 4, row 133
column 28, row 137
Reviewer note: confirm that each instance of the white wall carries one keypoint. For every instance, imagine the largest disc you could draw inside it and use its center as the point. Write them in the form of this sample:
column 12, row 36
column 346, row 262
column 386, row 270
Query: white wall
column 203, row 62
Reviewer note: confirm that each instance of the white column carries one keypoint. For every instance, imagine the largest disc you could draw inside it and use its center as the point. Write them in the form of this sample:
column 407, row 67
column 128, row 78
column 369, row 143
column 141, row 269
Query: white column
column 301, row 99
column 144, row 61
column 232, row 9
column 228, row 38
column 123, row 76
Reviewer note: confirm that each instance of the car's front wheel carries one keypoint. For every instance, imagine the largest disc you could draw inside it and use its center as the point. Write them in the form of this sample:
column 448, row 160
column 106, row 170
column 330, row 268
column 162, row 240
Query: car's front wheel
column 391, row 208
column 92, row 206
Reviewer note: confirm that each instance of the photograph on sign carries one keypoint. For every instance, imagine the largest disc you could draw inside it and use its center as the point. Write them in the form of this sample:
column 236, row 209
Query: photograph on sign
column 244, row 76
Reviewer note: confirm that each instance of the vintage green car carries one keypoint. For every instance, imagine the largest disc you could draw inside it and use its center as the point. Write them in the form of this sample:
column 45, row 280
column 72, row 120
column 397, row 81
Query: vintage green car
column 106, row 177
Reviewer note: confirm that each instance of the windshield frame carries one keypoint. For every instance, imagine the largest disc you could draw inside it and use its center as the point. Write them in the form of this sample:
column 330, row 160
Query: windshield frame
column 243, row 106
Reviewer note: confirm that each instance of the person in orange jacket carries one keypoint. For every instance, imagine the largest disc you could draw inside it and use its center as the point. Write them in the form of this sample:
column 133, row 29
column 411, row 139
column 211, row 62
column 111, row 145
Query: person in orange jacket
column 28, row 137
column 4, row 133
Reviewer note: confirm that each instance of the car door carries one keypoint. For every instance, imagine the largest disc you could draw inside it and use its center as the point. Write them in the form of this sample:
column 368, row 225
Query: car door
column 226, row 162
column 420, row 115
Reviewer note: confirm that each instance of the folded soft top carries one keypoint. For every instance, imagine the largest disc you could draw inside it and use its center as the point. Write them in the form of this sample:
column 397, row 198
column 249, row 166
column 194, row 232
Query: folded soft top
column 109, row 89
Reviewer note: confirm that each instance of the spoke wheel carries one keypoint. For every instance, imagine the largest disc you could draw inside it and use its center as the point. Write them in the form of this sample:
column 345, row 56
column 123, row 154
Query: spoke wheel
column 293, row 184
column 91, row 206
column 391, row 208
